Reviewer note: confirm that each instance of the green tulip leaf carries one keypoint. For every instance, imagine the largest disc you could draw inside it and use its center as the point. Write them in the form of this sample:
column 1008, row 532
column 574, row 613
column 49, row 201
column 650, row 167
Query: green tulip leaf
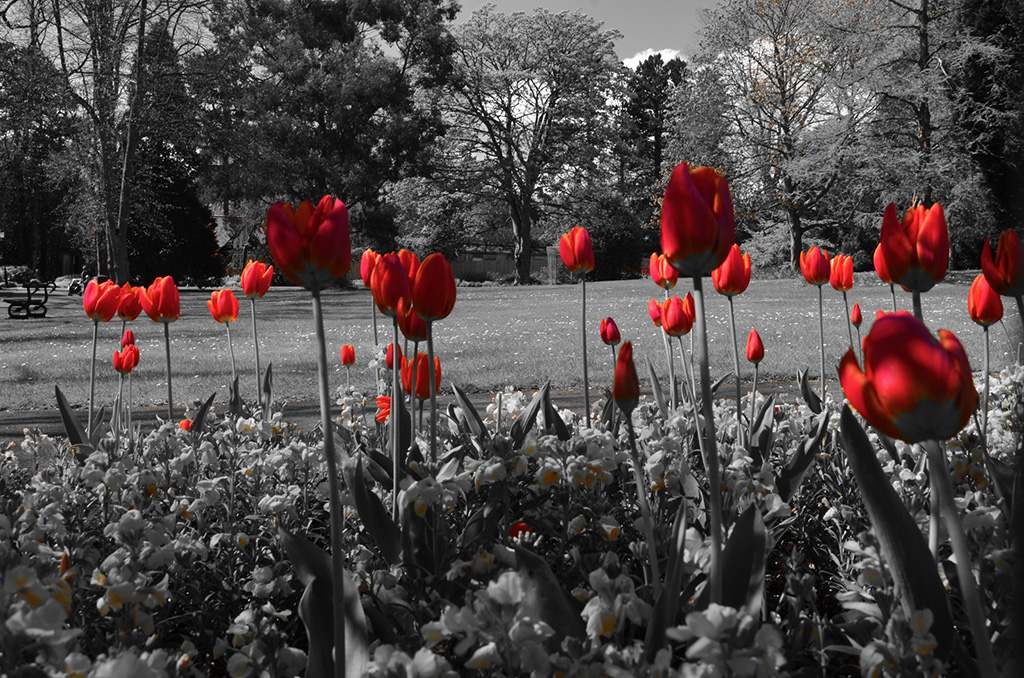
column 375, row 517
column 744, row 558
column 200, row 418
column 72, row 428
column 544, row 598
column 470, row 416
column 552, row 419
column 764, row 431
column 809, row 396
column 796, row 466
column 521, row 427
column 267, row 397
column 902, row 544
column 235, row 404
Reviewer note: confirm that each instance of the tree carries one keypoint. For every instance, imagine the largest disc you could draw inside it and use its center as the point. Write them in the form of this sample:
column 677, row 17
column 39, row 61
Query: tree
column 527, row 112
column 646, row 113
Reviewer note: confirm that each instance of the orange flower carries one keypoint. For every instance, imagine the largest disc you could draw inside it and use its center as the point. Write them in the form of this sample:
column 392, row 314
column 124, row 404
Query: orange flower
column 916, row 250
column 1005, row 275
column 434, row 290
column 814, row 265
column 223, row 306
column 383, row 408
column 310, row 245
column 389, row 356
column 626, row 387
column 676, row 320
column 101, row 300
column 913, row 387
column 409, row 321
column 880, row 266
column 161, row 301
column 185, row 424
column 128, row 338
column 733, row 276
column 131, row 303
column 983, row 303
column 610, row 332
column 348, row 354
column 755, row 349
column 366, row 265
column 855, row 316
column 654, row 310
column 697, row 221
column 126, row 360
column 663, row 273
column 841, row 277
column 389, row 284
column 411, row 264
column 576, row 250
column 422, row 375
column 256, row 278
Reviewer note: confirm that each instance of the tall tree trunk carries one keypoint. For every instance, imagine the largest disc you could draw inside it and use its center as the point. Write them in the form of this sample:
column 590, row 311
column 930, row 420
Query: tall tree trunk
column 923, row 113
column 522, row 225
column 796, row 236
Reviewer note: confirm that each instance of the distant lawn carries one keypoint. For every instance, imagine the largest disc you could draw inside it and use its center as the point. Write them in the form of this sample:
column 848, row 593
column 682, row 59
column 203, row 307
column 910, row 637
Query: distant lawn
column 496, row 336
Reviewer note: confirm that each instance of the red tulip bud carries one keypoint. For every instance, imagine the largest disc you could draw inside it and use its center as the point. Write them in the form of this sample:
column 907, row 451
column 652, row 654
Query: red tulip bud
column 610, row 332
column 422, row 375
column 916, row 250
column 1005, row 275
column 130, row 305
column 654, row 310
column 880, row 266
column 815, row 267
column 348, row 354
column 434, row 290
column 126, row 360
column 390, row 284
column 223, row 306
column 256, row 278
column 161, row 301
column 663, row 273
column 841, row 276
column 697, row 221
column 626, row 388
column 755, row 349
column 675, row 318
column 389, row 356
column 983, row 303
column 733, row 276
column 128, row 338
column 576, row 250
column 101, row 300
column 185, row 424
column 366, row 265
column 411, row 264
column 413, row 327
column 855, row 316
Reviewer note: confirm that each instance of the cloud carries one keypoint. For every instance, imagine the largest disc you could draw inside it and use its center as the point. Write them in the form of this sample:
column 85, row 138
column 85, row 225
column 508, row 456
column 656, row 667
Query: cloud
column 666, row 55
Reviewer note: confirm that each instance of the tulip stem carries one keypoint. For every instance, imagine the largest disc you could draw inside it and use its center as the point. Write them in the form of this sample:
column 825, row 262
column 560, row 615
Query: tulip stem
column 412, row 389
column 892, row 291
column 753, row 400
column 645, row 509
column 231, row 349
column 583, row 335
column 348, row 378
column 943, row 486
column 821, row 339
column 92, row 376
column 918, row 311
column 337, row 565
column 711, row 456
column 1020, row 311
column 373, row 306
column 256, row 344
column 611, row 424
column 433, row 391
column 849, row 323
column 671, row 365
column 693, row 395
column 687, row 380
column 129, row 409
column 859, row 348
column 984, row 429
column 396, row 423
column 934, row 508
column 117, row 410
column 736, row 367
column 167, row 352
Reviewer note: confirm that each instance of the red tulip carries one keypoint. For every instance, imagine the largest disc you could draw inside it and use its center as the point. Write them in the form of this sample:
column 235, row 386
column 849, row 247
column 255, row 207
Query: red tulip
column 223, row 306
column 348, row 354
column 383, row 408
column 101, row 300
column 131, row 304
column 610, row 332
column 689, row 305
column 128, row 338
column 126, row 360
column 1005, row 275
column 310, row 245
column 841, row 277
column 389, row 359
column 733, row 276
column 654, row 310
column 422, row 375
column 576, row 250
column 409, row 321
column 434, row 290
column 185, row 424
column 675, row 318
column 815, row 267
column 913, row 386
column 755, row 349
column 697, row 221
column 256, row 277
column 916, row 251
column 519, row 529
column 366, row 265
column 626, row 387
column 855, row 316
column 983, row 303
column 161, row 301
column 389, row 284
column 663, row 273
column 411, row 264
column 878, row 314
column 880, row 266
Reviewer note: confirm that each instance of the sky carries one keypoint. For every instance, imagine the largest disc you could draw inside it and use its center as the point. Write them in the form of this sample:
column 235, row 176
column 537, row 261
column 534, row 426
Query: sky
column 647, row 26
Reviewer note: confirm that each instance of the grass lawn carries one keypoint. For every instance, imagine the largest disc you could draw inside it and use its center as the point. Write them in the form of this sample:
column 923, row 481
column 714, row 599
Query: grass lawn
column 496, row 336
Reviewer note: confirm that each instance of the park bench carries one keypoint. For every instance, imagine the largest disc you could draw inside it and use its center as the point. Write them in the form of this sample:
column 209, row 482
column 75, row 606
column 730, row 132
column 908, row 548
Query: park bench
column 31, row 305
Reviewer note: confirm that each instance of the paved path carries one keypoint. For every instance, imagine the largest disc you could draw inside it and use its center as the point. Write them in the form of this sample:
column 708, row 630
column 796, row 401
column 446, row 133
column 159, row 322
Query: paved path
column 306, row 414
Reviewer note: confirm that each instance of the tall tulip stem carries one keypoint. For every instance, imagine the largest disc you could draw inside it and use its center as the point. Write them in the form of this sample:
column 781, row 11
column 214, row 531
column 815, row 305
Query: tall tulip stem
column 614, row 409
column 1020, row 311
column 943, row 486
column 337, row 564
column 687, row 378
column 117, row 410
column 256, row 345
column 412, row 388
column 433, row 391
column 583, row 336
column 736, row 367
column 373, row 305
column 918, row 311
column 849, row 323
column 645, row 509
column 753, row 399
column 231, row 350
column 92, row 375
column 671, row 367
column 711, row 459
column 892, row 291
column 821, row 340
column 167, row 353
column 396, row 423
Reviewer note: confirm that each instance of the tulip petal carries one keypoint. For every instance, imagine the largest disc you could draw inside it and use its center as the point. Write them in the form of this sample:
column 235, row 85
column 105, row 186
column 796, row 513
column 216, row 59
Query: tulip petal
column 897, row 250
column 861, row 394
